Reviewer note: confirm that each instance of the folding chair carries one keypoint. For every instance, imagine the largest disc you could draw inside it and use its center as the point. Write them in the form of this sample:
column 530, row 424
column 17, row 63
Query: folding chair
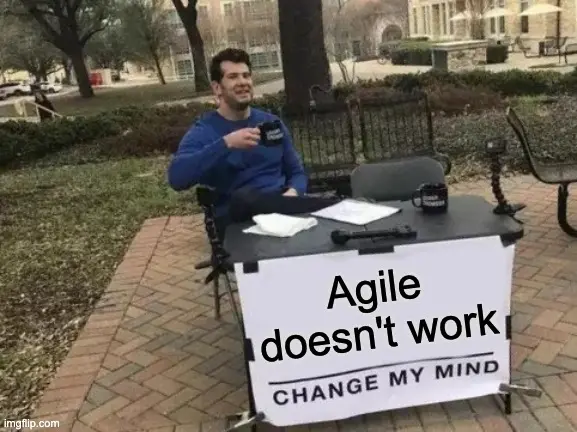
column 218, row 259
column 395, row 180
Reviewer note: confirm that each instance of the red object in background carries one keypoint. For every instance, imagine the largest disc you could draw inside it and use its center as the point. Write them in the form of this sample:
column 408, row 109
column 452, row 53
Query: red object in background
column 95, row 78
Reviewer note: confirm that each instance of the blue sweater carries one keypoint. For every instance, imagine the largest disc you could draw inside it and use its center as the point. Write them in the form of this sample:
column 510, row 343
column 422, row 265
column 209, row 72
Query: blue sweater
column 203, row 158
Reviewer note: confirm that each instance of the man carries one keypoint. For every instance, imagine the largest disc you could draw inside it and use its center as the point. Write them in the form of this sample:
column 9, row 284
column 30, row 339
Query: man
column 224, row 150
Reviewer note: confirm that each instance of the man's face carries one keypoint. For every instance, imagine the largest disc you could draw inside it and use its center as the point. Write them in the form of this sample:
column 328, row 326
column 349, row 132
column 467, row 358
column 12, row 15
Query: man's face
column 235, row 88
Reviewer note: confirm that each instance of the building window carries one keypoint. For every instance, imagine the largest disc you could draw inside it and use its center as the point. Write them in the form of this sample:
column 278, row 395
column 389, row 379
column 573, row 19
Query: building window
column 202, row 12
column 451, row 15
column 255, row 10
column 425, row 20
column 492, row 21
column 502, row 28
column 227, row 7
column 181, row 45
column 264, row 60
column 524, row 19
column 415, row 21
column 184, row 68
column 444, row 17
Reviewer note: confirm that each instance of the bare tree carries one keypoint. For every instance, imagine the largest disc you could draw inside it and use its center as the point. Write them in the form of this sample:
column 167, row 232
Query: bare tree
column 147, row 33
column 25, row 49
column 68, row 25
column 211, row 33
column 108, row 49
column 476, row 24
column 337, row 38
column 189, row 16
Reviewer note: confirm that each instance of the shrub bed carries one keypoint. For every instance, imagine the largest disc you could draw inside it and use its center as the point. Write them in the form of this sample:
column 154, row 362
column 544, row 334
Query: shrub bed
column 135, row 131
column 461, row 137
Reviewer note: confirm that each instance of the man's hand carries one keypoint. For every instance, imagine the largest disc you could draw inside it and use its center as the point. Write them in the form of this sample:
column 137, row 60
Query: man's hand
column 243, row 138
column 291, row 192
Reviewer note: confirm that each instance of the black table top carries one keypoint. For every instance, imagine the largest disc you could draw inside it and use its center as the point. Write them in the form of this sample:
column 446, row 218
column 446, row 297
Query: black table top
column 468, row 217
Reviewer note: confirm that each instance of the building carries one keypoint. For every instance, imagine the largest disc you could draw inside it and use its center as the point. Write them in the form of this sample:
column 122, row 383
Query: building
column 356, row 28
column 431, row 18
column 248, row 24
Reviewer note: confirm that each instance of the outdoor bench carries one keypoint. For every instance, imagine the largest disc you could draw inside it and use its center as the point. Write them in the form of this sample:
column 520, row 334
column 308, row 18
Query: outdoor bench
column 569, row 49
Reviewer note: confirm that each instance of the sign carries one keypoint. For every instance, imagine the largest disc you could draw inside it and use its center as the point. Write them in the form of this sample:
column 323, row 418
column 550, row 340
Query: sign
column 342, row 334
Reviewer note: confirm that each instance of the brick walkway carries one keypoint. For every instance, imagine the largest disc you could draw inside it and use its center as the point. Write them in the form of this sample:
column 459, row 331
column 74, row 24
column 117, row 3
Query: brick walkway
column 152, row 358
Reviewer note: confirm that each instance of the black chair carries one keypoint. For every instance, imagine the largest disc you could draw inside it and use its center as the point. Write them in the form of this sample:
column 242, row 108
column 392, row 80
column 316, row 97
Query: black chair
column 398, row 126
column 562, row 174
column 395, row 179
column 221, row 267
column 324, row 136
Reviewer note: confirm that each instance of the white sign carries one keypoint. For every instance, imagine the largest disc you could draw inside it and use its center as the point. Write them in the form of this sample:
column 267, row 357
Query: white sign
column 342, row 334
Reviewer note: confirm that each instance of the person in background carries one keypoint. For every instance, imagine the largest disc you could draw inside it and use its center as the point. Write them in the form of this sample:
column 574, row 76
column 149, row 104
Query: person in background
column 223, row 149
column 41, row 99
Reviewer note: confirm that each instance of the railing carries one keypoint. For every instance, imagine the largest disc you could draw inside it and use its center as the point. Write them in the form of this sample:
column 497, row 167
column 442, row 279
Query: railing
column 20, row 108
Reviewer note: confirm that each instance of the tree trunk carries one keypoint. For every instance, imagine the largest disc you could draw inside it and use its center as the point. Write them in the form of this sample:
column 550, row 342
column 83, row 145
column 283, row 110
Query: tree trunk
column 303, row 52
column 201, row 81
column 77, row 58
column 66, row 65
column 158, row 69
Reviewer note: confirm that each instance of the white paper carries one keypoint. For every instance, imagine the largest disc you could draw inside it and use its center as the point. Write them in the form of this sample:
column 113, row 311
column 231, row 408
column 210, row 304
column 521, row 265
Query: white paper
column 297, row 293
column 356, row 212
column 279, row 225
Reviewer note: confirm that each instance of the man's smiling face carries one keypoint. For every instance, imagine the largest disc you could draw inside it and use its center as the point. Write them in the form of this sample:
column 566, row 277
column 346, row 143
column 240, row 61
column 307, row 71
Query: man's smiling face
column 236, row 87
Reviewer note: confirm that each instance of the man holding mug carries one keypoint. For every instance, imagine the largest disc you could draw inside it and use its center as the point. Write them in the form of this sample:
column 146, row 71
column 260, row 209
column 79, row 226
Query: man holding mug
column 224, row 149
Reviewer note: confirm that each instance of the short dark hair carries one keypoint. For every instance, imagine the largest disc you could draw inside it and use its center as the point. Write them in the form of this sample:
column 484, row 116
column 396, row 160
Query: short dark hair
column 234, row 55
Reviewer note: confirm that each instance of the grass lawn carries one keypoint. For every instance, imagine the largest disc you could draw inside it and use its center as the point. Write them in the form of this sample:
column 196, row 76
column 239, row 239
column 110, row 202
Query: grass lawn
column 64, row 229
column 140, row 95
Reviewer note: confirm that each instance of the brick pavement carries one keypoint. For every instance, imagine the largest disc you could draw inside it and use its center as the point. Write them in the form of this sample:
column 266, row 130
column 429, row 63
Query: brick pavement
column 152, row 358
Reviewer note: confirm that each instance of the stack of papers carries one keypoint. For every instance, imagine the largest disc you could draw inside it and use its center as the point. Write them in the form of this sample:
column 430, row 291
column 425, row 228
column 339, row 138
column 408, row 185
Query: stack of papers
column 279, row 225
column 356, row 212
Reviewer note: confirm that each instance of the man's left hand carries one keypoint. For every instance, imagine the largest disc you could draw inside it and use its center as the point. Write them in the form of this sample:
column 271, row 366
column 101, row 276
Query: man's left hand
column 291, row 192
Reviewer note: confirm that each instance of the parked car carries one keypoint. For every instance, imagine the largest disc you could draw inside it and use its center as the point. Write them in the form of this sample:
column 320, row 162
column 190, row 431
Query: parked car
column 15, row 89
column 50, row 87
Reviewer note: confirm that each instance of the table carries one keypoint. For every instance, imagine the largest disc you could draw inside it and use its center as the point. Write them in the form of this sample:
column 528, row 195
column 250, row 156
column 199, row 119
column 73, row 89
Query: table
column 335, row 331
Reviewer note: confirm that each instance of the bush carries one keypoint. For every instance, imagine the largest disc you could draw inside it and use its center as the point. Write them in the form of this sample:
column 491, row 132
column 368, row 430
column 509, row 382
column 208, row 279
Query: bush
column 22, row 141
column 497, row 54
column 411, row 56
column 514, row 82
column 412, row 53
column 463, row 137
column 134, row 131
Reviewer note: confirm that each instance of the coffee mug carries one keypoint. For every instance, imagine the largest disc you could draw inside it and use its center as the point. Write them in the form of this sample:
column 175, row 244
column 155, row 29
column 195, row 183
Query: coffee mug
column 433, row 197
column 271, row 133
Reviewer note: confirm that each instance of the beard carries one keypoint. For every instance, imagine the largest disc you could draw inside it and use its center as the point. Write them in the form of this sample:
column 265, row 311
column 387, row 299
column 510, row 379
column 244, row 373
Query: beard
column 238, row 102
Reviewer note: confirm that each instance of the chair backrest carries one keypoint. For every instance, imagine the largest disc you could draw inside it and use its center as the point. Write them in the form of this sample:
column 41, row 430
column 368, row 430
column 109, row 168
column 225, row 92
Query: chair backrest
column 521, row 133
column 395, row 179
column 323, row 135
column 396, row 126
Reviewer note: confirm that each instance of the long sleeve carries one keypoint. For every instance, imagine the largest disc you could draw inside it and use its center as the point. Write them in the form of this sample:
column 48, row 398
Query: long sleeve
column 197, row 153
column 292, row 164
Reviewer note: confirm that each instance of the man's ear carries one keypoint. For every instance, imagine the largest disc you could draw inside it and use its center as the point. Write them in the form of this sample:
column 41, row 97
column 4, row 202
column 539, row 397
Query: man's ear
column 216, row 88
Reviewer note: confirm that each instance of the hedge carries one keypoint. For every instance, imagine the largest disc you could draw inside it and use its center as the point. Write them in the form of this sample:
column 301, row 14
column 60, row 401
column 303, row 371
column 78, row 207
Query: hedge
column 134, row 130
column 461, row 137
column 420, row 54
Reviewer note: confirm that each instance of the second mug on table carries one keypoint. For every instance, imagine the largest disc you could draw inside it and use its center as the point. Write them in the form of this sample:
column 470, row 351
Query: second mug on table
column 431, row 198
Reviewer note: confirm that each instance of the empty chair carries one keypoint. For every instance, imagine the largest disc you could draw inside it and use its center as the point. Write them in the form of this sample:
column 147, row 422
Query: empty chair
column 396, row 179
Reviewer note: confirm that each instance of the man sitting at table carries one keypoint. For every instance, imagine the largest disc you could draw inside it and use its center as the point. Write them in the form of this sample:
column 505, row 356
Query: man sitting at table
column 223, row 149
